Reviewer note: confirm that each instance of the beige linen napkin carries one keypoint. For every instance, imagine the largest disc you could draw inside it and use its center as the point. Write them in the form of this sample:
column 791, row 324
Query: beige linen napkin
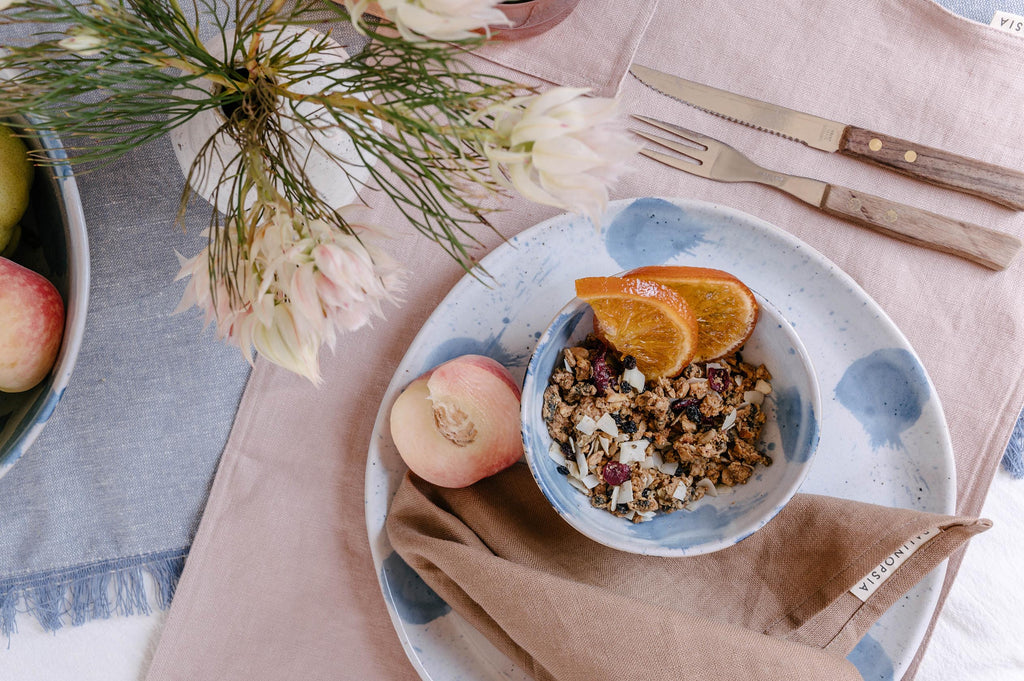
column 777, row 606
column 279, row 583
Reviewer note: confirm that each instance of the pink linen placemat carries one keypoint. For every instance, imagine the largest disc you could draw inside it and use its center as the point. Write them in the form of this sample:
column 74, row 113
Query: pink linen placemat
column 279, row 583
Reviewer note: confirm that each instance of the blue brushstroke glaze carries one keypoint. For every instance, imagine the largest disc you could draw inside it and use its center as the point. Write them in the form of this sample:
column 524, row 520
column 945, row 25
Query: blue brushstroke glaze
column 490, row 347
column 871, row 660
column 886, row 391
column 798, row 426
column 414, row 601
column 651, row 231
column 1013, row 457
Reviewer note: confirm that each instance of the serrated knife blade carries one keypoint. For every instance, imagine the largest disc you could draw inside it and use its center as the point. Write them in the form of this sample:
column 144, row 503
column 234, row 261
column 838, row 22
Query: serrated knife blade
column 1004, row 186
column 813, row 131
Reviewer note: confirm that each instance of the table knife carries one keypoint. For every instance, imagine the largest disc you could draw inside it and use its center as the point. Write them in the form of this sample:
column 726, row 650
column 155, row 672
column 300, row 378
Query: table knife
column 1000, row 185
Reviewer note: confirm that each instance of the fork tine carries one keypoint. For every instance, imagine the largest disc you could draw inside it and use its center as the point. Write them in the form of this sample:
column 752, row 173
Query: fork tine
column 687, row 151
column 686, row 134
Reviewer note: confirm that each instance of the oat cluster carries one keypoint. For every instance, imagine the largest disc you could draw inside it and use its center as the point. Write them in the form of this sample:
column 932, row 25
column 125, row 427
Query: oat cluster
column 636, row 450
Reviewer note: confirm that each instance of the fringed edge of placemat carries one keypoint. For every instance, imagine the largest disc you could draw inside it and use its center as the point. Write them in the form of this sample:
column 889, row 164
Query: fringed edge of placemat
column 92, row 591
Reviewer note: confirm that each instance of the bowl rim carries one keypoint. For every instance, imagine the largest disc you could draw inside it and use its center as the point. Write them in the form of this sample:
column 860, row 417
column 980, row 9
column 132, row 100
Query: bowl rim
column 77, row 299
column 534, row 458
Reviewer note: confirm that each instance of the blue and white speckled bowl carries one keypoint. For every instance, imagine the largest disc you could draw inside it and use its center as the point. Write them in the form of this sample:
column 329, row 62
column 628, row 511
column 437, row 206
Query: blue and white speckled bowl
column 790, row 437
column 54, row 243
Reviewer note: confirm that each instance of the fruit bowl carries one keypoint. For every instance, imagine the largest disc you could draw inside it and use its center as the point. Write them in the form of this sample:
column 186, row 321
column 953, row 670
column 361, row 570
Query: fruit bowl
column 789, row 437
column 53, row 243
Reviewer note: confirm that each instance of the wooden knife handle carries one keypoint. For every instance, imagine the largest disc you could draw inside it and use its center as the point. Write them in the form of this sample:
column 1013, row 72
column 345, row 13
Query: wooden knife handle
column 987, row 247
column 1001, row 185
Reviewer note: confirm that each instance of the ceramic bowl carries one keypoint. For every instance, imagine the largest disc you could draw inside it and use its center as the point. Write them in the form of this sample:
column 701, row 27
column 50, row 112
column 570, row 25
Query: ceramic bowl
column 53, row 243
column 790, row 437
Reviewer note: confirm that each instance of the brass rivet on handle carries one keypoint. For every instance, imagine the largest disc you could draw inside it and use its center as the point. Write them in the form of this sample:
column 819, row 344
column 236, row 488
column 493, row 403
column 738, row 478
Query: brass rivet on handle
column 875, row 144
column 891, row 215
column 911, row 156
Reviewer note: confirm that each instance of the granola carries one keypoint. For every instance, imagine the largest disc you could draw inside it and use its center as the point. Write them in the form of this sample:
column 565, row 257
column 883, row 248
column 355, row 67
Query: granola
column 637, row 447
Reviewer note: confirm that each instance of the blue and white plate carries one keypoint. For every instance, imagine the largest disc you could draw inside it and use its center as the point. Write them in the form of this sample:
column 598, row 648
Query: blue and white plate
column 883, row 436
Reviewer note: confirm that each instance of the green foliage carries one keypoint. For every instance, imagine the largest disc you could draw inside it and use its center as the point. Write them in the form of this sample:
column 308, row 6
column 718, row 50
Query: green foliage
column 124, row 73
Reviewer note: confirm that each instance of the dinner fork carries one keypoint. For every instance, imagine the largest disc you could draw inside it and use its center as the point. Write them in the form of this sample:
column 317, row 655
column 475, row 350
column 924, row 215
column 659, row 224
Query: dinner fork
column 707, row 157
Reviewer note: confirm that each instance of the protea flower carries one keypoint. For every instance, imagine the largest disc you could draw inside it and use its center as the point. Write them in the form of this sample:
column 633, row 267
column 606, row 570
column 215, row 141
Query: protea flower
column 559, row 148
column 301, row 282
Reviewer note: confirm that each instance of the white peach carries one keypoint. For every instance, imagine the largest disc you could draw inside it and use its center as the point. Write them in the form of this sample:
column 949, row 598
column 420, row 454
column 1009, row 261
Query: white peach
column 31, row 327
column 459, row 422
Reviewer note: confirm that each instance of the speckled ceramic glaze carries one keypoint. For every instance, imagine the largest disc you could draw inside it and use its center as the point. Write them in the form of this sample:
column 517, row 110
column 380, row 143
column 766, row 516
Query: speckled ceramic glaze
column 790, row 437
column 54, row 243
column 883, row 437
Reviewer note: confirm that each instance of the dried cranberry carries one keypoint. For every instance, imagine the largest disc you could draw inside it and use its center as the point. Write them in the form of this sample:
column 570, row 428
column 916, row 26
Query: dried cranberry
column 680, row 405
column 615, row 473
column 719, row 379
column 689, row 406
column 601, row 372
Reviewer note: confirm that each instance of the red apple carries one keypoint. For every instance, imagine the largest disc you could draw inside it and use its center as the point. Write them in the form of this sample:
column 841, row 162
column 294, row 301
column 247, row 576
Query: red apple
column 31, row 326
column 459, row 422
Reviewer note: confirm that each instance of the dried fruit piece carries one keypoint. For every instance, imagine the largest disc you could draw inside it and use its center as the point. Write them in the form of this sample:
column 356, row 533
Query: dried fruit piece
column 725, row 308
column 643, row 319
column 615, row 473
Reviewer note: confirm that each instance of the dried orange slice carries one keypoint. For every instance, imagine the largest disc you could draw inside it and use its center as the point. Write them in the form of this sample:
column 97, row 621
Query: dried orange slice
column 643, row 319
column 725, row 308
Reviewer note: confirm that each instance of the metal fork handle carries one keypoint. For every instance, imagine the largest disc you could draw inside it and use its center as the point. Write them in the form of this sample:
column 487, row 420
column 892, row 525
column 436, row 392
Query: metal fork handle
column 981, row 245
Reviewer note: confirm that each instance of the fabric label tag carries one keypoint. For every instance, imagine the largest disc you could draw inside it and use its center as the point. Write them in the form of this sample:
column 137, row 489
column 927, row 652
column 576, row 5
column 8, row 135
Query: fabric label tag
column 1011, row 23
column 887, row 567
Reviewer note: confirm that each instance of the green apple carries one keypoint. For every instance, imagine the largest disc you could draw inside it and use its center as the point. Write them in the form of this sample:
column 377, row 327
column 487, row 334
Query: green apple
column 15, row 181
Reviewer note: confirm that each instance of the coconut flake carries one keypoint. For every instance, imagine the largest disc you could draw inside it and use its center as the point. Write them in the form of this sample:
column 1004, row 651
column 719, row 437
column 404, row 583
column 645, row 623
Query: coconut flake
column 635, row 378
column 654, row 460
column 738, row 380
column 763, row 387
column 578, row 485
column 555, row 453
column 647, row 515
column 615, row 497
column 625, row 492
column 691, row 381
column 581, row 461
column 707, row 486
column 587, row 425
column 730, row 420
column 635, row 450
column 680, row 492
column 630, row 515
column 753, row 397
column 565, row 360
column 605, row 443
column 669, row 467
column 574, row 470
column 713, row 365
column 608, row 425
column 591, row 481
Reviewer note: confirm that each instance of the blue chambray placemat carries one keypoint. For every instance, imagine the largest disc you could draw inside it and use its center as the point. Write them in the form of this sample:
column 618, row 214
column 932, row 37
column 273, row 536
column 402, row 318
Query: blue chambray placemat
column 115, row 485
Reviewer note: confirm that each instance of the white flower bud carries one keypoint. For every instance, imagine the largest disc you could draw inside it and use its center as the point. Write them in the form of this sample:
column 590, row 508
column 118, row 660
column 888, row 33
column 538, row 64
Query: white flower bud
column 83, row 42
